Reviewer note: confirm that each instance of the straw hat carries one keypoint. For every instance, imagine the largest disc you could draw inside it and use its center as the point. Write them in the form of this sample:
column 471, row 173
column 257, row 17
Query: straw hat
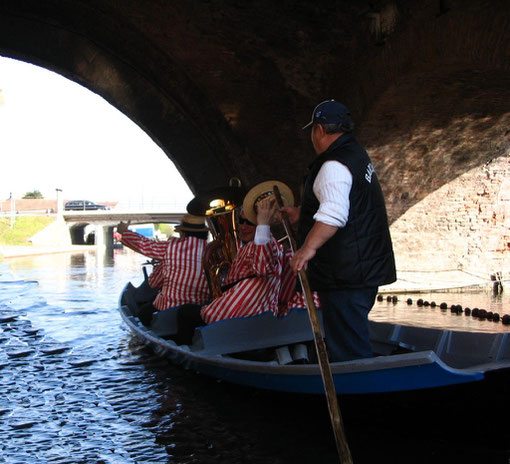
column 262, row 191
column 192, row 223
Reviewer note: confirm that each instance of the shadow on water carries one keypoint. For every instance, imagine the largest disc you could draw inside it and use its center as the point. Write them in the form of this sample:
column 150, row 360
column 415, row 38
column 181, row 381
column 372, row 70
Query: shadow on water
column 200, row 419
column 203, row 420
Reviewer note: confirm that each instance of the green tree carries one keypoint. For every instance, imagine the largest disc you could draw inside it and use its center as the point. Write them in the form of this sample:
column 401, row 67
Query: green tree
column 33, row 194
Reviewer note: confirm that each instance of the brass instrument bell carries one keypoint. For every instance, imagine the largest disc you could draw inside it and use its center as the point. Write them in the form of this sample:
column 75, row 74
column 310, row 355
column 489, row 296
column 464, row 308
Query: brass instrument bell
column 218, row 206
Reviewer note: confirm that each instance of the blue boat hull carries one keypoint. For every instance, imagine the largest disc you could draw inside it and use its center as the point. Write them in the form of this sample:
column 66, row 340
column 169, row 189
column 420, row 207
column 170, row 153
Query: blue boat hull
column 396, row 373
column 378, row 381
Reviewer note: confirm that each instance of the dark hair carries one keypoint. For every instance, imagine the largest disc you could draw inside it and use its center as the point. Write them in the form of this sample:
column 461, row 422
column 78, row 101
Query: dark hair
column 333, row 128
column 187, row 233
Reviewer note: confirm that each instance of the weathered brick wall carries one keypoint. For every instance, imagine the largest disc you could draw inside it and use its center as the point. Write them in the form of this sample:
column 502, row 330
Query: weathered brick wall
column 463, row 225
column 427, row 130
column 440, row 143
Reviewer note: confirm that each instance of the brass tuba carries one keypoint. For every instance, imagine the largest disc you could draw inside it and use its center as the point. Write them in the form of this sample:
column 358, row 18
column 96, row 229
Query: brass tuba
column 218, row 206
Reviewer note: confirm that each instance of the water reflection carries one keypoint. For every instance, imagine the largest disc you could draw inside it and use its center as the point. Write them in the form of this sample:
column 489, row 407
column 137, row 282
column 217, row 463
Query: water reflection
column 78, row 260
column 429, row 316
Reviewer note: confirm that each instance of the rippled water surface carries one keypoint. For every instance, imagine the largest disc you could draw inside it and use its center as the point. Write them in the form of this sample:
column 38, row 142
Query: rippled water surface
column 76, row 388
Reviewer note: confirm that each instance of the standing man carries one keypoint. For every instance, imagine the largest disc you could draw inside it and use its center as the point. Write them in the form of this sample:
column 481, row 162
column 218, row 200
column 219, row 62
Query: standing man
column 344, row 238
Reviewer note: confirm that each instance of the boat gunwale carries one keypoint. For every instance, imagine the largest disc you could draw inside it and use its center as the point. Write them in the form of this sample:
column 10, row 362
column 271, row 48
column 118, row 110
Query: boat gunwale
column 377, row 363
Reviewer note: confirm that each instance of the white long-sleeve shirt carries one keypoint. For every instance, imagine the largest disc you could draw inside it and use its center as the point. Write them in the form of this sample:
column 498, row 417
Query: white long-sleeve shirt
column 262, row 235
column 332, row 187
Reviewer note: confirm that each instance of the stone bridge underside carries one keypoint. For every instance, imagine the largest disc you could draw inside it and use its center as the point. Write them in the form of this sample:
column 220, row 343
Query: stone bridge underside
column 224, row 86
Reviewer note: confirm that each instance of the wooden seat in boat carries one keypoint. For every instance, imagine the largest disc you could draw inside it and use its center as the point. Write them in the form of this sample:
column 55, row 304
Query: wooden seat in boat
column 164, row 323
column 234, row 335
column 253, row 333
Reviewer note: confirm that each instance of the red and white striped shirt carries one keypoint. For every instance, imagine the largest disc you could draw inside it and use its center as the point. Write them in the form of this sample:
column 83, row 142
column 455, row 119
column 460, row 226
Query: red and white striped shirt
column 184, row 279
column 156, row 277
column 261, row 267
column 289, row 297
column 299, row 301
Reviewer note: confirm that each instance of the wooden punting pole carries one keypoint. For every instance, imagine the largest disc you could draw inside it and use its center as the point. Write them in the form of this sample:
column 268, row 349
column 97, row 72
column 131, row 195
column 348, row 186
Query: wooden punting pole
column 327, row 377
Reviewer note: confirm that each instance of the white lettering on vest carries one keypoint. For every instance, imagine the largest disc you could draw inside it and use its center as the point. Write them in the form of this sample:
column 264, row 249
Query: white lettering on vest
column 370, row 171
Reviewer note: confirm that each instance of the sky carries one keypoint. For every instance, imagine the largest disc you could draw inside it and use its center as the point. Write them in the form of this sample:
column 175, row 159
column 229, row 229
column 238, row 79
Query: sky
column 56, row 134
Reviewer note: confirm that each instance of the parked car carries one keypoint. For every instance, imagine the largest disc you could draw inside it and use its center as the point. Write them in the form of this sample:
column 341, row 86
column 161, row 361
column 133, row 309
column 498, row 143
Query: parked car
column 83, row 205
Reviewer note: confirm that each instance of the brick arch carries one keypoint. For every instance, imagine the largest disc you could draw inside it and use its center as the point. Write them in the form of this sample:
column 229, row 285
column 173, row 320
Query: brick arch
column 424, row 39
column 435, row 103
column 172, row 110
column 224, row 88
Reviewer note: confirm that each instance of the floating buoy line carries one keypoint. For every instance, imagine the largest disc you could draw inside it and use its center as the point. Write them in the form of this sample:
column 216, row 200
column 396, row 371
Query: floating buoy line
column 479, row 313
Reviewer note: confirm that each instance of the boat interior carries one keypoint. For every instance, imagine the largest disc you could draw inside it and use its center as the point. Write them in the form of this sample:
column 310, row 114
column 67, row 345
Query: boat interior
column 289, row 340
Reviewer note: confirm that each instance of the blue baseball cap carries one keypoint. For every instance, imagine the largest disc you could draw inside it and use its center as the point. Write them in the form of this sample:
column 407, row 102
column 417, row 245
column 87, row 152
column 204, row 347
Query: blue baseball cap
column 329, row 112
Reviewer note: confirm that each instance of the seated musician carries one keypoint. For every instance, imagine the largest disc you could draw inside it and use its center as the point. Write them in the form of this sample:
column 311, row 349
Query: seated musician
column 253, row 280
column 182, row 276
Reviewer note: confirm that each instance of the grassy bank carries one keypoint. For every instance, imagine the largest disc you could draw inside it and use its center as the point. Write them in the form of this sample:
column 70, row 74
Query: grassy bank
column 23, row 229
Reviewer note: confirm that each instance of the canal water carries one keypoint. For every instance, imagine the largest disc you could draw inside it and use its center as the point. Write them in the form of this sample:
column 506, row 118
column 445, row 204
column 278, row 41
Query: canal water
column 77, row 388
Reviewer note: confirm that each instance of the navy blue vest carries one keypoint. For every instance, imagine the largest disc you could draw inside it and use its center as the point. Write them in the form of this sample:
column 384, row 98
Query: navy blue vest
column 359, row 254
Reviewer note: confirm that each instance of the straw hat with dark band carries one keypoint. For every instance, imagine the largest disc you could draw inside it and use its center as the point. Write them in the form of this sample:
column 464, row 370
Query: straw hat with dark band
column 262, row 191
column 191, row 223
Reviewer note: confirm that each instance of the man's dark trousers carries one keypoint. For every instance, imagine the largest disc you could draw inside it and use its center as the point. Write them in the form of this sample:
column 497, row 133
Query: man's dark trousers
column 345, row 314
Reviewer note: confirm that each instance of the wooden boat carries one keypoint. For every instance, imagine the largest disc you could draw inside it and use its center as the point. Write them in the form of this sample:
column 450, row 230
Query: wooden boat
column 257, row 352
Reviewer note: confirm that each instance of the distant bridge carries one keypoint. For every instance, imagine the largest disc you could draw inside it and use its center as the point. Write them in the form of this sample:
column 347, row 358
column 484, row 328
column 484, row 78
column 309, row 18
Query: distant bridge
column 105, row 221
